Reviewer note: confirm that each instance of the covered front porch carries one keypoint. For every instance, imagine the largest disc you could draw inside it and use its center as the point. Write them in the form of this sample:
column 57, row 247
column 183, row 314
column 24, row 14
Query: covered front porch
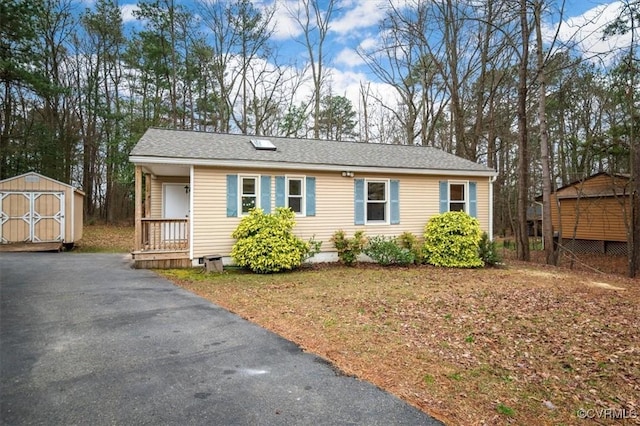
column 162, row 210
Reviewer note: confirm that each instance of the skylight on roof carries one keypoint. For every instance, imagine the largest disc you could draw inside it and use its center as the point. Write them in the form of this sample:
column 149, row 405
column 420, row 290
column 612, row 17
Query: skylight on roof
column 263, row 144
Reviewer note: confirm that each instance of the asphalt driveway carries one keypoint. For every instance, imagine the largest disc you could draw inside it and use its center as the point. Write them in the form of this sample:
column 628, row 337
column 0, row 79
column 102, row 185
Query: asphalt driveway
column 85, row 339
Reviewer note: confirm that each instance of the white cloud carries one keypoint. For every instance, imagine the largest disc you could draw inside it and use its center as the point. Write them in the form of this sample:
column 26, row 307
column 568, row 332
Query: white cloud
column 369, row 43
column 285, row 27
column 127, row 12
column 585, row 33
column 349, row 57
column 349, row 16
column 357, row 14
column 348, row 84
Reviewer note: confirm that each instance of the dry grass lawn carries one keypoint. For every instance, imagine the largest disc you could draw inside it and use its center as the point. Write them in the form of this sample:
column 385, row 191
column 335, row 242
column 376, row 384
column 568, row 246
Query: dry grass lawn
column 106, row 239
column 523, row 345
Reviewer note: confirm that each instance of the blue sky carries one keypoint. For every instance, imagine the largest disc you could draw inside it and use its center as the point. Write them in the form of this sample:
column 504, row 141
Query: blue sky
column 355, row 24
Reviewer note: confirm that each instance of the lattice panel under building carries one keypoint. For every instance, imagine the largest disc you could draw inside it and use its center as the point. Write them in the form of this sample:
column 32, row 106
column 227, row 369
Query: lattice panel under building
column 616, row 248
column 590, row 246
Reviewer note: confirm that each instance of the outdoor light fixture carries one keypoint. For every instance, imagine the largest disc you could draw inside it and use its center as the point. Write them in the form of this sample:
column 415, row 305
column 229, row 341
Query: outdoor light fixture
column 186, row 189
column 347, row 174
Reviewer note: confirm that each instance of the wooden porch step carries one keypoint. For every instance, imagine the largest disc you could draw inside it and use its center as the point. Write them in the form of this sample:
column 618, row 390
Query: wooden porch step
column 161, row 259
column 160, row 254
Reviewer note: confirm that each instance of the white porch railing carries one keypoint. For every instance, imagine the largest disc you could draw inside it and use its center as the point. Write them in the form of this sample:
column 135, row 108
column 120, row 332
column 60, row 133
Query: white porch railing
column 164, row 234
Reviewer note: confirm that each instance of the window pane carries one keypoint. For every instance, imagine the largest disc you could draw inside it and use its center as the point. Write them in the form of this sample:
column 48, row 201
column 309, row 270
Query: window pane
column 457, row 192
column 376, row 191
column 456, row 207
column 295, row 187
column 295, row 204
column 375, row 211
column 249, row 186
column 248, row 203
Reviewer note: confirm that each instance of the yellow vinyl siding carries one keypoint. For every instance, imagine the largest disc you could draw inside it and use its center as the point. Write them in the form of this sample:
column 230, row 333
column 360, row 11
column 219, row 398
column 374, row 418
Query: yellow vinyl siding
column 157, row 195
column 211, row 227
column 419, row 200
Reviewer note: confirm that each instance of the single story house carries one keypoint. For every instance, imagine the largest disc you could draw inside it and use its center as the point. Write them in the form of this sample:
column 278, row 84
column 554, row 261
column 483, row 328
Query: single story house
column 39, row 213
column 593, row 214
column 193, row 188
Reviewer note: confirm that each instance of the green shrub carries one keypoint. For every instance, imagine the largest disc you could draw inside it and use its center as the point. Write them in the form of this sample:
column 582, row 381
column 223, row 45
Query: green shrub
column 409, row 241
column 314, row 248
column 386, row 251
column 451, row 239
column 348, row 248
column 266, row 243
column 488, row 251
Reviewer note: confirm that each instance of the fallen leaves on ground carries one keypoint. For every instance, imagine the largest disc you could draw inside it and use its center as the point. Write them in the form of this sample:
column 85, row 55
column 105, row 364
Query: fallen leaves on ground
column 106, row 238
column 524, row 344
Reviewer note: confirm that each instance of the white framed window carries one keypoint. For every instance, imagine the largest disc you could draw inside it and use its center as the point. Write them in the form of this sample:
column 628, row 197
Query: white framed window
column 295, row 194
column 458, row 197
column 249, row 190
column 377, row 201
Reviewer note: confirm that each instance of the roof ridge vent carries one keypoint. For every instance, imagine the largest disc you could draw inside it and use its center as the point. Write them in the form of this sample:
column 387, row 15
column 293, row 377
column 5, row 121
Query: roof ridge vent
column 263, row 145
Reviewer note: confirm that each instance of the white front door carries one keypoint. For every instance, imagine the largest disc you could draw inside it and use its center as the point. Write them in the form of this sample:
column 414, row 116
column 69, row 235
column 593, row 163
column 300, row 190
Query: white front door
column 176, row 201
column 175, row 206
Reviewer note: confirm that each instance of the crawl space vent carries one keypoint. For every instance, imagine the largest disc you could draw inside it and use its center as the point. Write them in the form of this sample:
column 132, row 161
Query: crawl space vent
column 263, row 145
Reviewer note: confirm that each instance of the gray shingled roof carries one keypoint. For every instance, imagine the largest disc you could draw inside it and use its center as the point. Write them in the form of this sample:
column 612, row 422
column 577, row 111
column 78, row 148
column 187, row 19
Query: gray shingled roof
column 181, row 144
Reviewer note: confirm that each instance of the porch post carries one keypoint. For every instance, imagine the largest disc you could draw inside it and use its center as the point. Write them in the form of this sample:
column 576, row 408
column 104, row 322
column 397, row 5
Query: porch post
column 147, row 195
column 138, row 208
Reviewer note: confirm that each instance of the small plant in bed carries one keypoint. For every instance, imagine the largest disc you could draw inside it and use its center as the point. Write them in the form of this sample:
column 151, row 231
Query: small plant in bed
column 386, row 251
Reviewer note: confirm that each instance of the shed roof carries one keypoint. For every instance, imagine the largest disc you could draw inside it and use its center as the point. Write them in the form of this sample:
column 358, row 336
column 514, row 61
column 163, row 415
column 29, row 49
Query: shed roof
column 204, row 148
column 39, row 176
column 599, row 185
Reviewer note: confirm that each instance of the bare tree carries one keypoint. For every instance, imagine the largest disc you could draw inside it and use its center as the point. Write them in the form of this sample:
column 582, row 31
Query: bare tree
column 522, row 237
column 314, row 21
column 628, row 23
column 551, row 252
column 240, row 43
column 57, row 25
column 365, row 91
column 406, row 63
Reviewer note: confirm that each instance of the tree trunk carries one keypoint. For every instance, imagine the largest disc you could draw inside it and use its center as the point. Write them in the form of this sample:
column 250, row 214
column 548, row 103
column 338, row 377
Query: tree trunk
column 634, row 258
column 551, row 254
column 522, row 237
column 6, row 129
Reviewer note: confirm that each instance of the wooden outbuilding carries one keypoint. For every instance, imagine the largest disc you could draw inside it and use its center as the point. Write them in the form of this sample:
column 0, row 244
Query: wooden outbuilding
column 593, row 214
column 39, row 213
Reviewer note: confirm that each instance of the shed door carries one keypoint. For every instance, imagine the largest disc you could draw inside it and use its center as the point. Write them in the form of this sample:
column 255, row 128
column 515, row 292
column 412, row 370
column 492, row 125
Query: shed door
column 31, row 217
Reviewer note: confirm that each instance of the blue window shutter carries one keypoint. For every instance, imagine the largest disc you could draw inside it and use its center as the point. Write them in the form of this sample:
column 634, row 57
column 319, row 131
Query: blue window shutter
column 280, row 192
column 394, row 193
column 232, row 195
column 311, row 196
column 444, row 196
column 358, row 201
column 265, row 193
column 473, row 201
